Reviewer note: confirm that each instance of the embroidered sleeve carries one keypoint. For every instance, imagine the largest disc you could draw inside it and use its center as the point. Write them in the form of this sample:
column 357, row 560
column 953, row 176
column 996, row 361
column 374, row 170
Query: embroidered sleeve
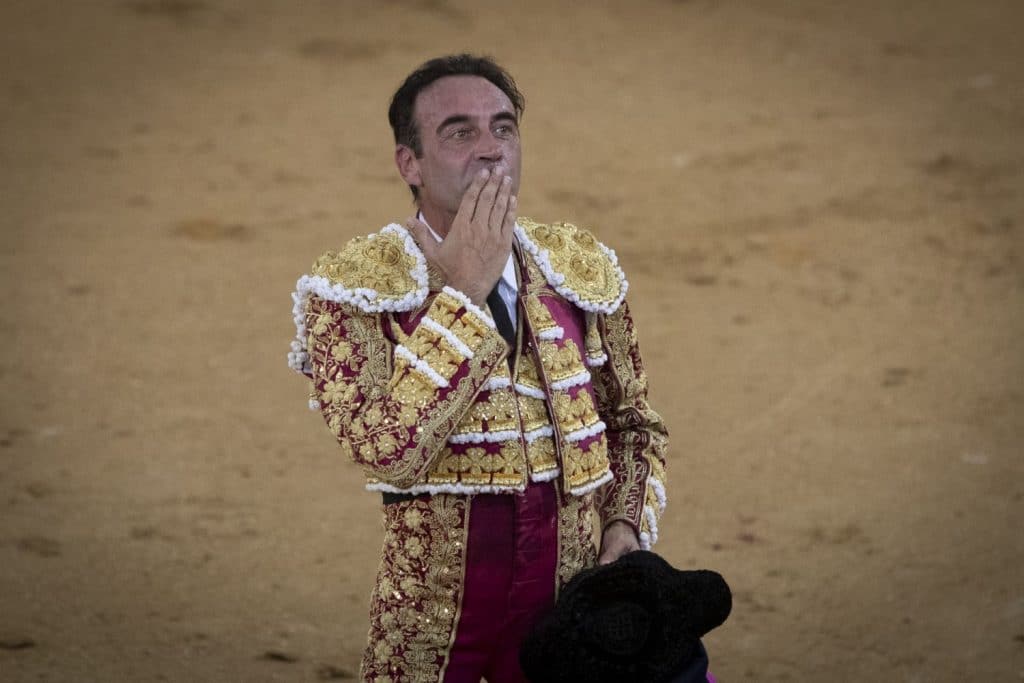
column 392, row 406
column 636, row 435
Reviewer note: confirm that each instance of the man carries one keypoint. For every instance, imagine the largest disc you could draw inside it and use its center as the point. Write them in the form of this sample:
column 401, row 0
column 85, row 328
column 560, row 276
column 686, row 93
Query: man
column 484, row 371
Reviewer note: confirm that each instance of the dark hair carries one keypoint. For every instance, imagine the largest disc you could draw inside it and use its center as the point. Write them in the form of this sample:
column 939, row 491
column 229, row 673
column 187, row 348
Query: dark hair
column 401, row 113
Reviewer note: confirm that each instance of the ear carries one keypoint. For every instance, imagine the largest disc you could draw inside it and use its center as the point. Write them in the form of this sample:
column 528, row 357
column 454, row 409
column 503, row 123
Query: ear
column 408, row 165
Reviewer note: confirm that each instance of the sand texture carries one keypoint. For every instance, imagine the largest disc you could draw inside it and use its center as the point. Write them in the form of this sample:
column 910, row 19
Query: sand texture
column 819, row 208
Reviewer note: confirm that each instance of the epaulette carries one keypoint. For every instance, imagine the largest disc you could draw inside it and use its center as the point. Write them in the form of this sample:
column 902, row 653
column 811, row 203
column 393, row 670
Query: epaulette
column 575, row 264
column 385, row 271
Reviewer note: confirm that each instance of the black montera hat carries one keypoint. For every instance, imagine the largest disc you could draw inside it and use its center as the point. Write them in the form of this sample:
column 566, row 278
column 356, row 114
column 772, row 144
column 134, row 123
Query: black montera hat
column 636, row 619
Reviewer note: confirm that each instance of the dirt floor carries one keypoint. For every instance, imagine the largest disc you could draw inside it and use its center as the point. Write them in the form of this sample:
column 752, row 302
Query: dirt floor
column 818, row 204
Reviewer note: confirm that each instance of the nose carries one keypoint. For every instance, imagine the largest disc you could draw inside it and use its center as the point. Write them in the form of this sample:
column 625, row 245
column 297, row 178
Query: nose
column 490, row 148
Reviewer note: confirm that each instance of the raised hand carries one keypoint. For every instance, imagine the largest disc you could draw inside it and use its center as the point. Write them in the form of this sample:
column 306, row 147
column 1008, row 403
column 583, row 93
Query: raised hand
column 477, row 246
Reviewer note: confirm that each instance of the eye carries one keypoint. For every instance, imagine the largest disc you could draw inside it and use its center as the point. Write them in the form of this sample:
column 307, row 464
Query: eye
column 461, row 134
column 505, row 130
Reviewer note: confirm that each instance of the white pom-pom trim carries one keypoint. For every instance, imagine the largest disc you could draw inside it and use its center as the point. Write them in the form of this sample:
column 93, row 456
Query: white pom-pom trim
column 587, row 488
column 532, row 392
column 576, row 380
column 539, row 433
column 433, row 489
column 647, row 540
column 470, row 306
column 496, row 383
column 597, row 361
column 363, row 298
column 456, row 343
column 421, row 366
column 550, row 334
column 557, row 280
column 659, row 493
column 485, row 437
column 546, row 475
column 585, row 433
column 546, row 431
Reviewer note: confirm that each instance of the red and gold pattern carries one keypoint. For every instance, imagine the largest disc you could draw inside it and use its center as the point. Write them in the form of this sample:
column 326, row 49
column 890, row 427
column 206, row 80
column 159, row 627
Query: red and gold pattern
column 415, row 602
column 416, row 390
column 637, row 438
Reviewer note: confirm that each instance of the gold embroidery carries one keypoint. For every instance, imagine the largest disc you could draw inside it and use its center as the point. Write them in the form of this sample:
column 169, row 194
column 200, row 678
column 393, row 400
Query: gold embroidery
column 418, row 591
column 534, row 413
column 636, row 435
column 528, row 374
column 576, row 548
column 561, row 360
column 592, row 342
column 576, row 412
column 377, row 262
column 538, row 315
column 584, row 467
column 490, row 465
column 494, row 410
column 403, row 426
column 541, row 455
column 574, row 253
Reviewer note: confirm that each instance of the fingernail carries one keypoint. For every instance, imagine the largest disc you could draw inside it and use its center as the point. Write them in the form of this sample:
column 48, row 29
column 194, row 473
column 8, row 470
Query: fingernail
column 484, row 172
column 506, row 180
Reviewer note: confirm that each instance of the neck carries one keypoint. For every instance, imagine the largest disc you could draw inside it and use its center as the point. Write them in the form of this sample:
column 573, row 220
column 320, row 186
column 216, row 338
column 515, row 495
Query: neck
column 438, row 219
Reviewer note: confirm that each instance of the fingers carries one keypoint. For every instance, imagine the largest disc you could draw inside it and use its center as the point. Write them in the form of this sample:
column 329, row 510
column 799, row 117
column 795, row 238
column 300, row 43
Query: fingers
column 467, row 207
column 497, row 218
column 508, row 225
column 488, row 194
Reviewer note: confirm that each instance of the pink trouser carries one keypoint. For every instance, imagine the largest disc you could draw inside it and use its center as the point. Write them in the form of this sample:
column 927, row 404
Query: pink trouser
column 511, row 567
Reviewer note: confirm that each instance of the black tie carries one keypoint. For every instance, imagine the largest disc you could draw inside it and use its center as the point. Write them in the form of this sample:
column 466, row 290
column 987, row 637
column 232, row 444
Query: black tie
column 501, row 320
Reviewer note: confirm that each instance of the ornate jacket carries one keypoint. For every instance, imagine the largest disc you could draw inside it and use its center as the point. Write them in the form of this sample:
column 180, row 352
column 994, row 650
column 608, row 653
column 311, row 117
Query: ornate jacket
column 412, row 378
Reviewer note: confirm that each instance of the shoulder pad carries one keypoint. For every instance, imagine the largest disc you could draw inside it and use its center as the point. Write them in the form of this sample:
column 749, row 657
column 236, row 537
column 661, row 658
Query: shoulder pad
column 575, row 264
column 385, row 271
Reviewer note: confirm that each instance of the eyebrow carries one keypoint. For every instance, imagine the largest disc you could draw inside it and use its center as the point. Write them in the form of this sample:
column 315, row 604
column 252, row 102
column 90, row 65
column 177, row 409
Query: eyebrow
column 463, row 118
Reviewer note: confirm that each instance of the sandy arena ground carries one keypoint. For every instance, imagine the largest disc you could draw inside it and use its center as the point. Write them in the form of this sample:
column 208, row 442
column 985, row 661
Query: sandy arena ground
column 819, row 205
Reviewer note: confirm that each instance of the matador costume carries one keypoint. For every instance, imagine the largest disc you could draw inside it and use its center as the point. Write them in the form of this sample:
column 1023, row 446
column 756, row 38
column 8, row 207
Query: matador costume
column 498, row 464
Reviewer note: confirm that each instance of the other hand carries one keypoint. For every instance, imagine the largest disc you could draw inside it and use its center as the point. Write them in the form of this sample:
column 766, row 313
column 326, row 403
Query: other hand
column 618, row 539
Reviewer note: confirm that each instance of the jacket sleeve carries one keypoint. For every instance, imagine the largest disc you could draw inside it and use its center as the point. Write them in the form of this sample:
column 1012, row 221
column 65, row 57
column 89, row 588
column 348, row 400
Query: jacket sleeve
column 392, row 406
column 637, row 437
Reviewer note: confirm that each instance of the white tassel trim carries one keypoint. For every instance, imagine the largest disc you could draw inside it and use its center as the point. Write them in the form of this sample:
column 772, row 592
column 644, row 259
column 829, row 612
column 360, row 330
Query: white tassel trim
column 456, row 343
column 587, row 488
column 576, row 380
column 551, row 334
column 434, row 489
column 485, row 437
column 645, row 540
column 470, row 306
column 421, row 366
column 363, row 298
column 557, row 280
column 597, row 361
column 585, row 433
column 314, row 404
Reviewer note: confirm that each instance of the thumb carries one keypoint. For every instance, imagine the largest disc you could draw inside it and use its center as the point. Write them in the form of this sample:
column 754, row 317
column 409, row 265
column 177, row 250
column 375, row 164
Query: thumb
column 421, row 233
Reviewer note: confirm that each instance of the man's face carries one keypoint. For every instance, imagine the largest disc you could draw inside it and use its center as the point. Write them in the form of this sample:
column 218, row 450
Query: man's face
column 465, row 123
